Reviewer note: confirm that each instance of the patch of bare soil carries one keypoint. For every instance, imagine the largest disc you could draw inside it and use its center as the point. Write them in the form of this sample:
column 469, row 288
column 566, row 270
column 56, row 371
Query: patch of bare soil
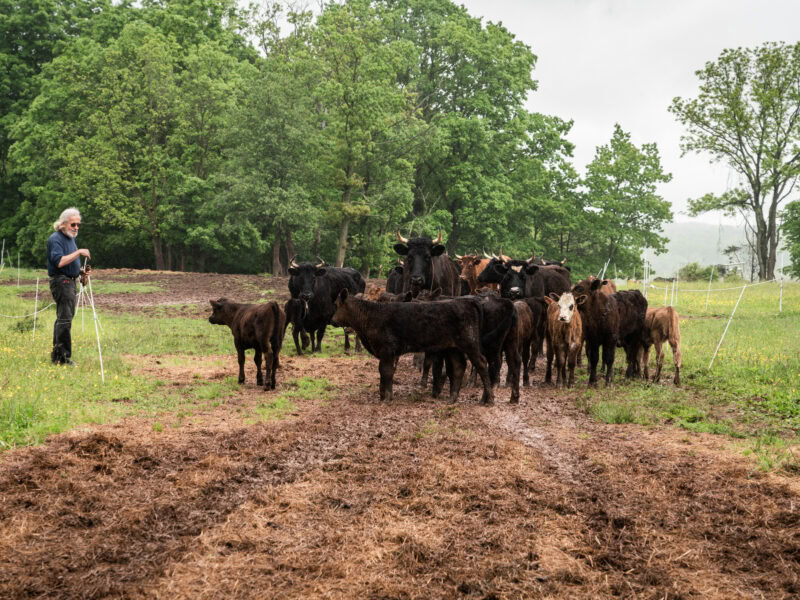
column 352, row 498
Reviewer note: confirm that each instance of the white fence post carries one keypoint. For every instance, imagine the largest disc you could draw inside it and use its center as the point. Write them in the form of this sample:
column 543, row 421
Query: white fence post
column 35, row 308
column 780, row 298
column 726, row 326
column 710, row 277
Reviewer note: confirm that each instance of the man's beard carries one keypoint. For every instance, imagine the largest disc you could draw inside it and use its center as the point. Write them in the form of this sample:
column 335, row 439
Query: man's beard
column 70, row 233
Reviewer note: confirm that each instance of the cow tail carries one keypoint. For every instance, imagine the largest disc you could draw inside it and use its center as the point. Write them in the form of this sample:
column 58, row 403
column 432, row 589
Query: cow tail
column 495, row 336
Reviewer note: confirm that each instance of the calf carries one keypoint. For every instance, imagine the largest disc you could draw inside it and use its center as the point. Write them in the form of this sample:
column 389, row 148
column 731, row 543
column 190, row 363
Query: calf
column 661, row 325
column 394, row 282
column 523, row 338
column 564, row 337
column 391, row 329
column 471, row 267
column 608, row 321
column 257, row 326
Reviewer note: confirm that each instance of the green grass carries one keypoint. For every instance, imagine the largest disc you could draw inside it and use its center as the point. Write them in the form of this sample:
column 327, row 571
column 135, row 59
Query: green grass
column 306, row 388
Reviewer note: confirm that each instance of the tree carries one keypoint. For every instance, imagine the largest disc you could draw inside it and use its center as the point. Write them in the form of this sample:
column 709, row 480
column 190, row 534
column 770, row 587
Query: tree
column 625, row 214
column 792, row 231
column 747, row 115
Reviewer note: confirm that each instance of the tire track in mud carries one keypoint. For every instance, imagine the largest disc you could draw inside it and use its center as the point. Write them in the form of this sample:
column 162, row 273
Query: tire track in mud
column 661, row 523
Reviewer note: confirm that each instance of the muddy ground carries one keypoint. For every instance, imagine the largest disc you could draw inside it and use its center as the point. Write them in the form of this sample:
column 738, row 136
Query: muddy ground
column 350, row 498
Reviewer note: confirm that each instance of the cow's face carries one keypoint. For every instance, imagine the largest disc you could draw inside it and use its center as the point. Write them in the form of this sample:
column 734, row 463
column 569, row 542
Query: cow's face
column 566, row 306
column 419, row 253
column 491, row 274
column 304, row 276
column 217, row 311
column 514, row 273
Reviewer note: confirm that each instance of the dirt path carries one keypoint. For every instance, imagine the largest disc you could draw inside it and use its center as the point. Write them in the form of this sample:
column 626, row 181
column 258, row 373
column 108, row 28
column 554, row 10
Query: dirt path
column 351, row 498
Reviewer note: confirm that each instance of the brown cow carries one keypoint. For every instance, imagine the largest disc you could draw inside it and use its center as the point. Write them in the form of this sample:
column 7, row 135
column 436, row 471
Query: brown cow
column 258, row 326
column 609, row 287
column 472, row 266
column 373, row 293
column 661, row 325
column 564, row 337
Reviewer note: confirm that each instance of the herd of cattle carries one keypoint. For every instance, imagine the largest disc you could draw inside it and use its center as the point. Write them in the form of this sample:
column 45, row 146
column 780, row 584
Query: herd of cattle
column 448, row 311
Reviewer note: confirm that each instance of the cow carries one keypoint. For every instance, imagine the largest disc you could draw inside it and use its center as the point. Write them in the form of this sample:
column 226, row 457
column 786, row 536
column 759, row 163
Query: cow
column 530, row 280
column 608, row 321
column 524, row 338
column 394, row 282
column 661, row 325
column 373, row 293
column 564, row 337
column 426, row 266
column 389, row 330
column 609, row 287
column 313, row 288
column 471, row 267
column 257, row 326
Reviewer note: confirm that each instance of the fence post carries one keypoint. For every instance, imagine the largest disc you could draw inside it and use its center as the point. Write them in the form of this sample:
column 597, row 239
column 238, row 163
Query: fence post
column 35, row 309
column 17, row 268
column 726, row 326
column 2, row 255
column 780, row 299
column 708, row 293
column 666, row 287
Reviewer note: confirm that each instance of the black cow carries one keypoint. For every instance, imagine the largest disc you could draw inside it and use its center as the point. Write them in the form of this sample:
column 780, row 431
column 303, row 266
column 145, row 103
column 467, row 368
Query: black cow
column 258, row 326
column 394, row 282
column 314, row 288
column 394, row 328
column 521, row 279
column 426, row 266
column 608, row 321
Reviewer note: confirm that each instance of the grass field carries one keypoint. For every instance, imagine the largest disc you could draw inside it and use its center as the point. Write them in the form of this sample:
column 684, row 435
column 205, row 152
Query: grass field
column 751, row 392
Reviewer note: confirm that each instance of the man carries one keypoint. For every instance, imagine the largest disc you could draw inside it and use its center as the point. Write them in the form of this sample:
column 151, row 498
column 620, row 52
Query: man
column 64, row 267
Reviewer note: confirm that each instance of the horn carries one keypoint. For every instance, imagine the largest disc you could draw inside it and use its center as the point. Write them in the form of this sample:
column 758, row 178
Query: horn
column 438, row 240
column 533, row 255
column 541, row 261
column 459, row 257
column 495, row 256
column 563, row 261
column 321, row 262
column 484, row 254
column 400, row 238
column 292, row 263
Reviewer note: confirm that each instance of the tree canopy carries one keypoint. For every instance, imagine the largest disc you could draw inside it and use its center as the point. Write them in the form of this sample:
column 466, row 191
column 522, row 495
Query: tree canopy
column 194, row 134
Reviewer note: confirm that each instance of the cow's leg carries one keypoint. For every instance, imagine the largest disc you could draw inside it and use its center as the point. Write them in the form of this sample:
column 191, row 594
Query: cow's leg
column 456, row 365
column 592, row 356
column 276, row 362
column 386, row 369
column 240, row 356
column 437, row 364
column 559, row 355
column 482, row 367
column 320, row 334
column 359, row 350
column 427, row 361
column 676, row 357
column 644, row 361
column 548, row 373
column 296, row 335
column 533, row 353
column 526, row 356
column 346, row 340
column 268, row 363
column 659, row 361
column 609, row 348
column 514, row 361
column 572, row 358
column 257, row 360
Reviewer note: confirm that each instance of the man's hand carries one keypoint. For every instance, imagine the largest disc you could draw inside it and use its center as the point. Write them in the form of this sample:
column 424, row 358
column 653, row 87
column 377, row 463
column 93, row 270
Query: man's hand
column 84, row 252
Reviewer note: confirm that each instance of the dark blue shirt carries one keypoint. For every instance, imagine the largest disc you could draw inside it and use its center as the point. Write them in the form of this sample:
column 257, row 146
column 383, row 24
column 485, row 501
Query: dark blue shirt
column 59, row 245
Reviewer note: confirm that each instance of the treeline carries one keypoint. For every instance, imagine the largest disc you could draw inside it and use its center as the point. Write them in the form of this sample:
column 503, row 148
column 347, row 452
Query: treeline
column 197, row 135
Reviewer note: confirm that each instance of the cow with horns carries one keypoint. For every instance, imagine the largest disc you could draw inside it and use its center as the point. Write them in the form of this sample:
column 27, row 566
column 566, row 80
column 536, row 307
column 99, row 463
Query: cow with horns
column 313, row 289
column 426, row 266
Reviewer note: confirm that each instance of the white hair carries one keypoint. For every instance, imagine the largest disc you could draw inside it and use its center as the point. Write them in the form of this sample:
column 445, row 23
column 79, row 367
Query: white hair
column 66, row 215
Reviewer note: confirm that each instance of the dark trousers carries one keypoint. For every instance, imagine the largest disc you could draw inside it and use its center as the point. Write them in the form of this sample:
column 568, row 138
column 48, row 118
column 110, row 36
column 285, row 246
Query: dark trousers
column 63, row 290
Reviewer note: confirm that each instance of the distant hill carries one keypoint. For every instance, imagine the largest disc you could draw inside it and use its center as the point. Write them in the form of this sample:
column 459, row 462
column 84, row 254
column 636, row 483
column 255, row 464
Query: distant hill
column 695, row 242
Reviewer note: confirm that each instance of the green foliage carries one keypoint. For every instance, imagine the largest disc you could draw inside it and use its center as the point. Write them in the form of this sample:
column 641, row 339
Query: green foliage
column 694, row 272
column 791, row 229
column 746, row 116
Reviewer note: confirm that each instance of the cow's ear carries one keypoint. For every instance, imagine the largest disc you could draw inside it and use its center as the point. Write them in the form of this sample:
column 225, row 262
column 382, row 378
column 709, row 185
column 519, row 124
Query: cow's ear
column 596, row 284
column 605, row 282
column 580, row 299
column 500, row 268
column 554, row 296
column 320, row 272
column 401, row 249
column 293, row 271
column 343, row 295
column 531, row 269
column 437, row 250
column 213, row 303
column 549, row 300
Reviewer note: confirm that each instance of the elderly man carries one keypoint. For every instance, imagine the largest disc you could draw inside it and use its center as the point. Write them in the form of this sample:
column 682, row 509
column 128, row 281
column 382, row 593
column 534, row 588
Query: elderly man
column 64, row 267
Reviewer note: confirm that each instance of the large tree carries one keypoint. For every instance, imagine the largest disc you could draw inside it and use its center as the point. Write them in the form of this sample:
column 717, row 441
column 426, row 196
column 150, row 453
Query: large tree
column 792, row 231
column 747, row 115
column 625, row 213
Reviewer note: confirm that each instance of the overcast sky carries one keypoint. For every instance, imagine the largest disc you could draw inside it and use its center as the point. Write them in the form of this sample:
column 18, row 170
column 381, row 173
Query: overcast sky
column 606, row 61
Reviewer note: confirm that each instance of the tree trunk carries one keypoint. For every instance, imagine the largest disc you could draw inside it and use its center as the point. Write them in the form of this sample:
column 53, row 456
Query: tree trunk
column 183, row 259
column 158, row 252
column 342, row 248
column 290, row 251
column 276, row 253
column 201, row 262
column 169, row 257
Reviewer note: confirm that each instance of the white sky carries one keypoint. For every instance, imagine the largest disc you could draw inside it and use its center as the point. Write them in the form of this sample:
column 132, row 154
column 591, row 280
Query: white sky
column 606, row 61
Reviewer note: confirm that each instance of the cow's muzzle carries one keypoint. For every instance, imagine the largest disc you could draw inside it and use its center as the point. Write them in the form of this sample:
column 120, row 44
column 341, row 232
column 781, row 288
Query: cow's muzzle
column 417, row 281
